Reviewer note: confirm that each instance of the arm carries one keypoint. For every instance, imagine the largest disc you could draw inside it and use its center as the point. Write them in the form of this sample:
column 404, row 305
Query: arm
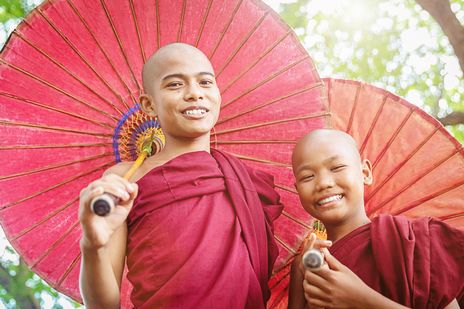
column 103, row 242
column 296, row 295
column 296, row 298
column 337, row 286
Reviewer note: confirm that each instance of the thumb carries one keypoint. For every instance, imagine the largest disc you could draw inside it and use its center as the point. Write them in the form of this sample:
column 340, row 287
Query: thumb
column 331, row 261
column 309, row 242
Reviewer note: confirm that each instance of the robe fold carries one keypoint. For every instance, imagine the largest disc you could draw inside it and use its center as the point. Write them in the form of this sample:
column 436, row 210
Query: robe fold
column 200, row 234
column 418, row 263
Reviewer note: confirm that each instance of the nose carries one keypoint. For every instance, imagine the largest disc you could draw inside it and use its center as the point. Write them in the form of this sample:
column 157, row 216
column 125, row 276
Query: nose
column 193, row 92
column 324, row 180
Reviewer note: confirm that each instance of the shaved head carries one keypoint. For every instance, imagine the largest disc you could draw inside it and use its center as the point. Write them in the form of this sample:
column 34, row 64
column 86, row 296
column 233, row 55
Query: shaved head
column 315, row 139
column 164, row 57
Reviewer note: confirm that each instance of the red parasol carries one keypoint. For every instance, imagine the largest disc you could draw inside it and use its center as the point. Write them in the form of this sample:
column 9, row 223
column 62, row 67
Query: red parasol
column 418, row 166
column 68, row 103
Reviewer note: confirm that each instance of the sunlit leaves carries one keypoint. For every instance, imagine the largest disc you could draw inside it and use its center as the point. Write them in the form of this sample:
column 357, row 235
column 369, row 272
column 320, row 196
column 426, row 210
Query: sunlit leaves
column 393, row 44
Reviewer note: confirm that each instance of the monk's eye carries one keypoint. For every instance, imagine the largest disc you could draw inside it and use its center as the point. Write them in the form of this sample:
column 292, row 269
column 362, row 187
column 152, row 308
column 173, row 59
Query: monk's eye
column 174, row 85
column 306, row 178
column 338, row 168
column 206, row 82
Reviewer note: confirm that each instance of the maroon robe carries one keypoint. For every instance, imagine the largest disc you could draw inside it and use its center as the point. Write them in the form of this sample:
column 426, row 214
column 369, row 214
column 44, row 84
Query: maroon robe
column 200, row 234
column 417, row 263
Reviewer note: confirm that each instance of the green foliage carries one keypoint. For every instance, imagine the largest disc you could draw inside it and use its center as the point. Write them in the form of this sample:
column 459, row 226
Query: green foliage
column 11, row 9
column 393, row 44
column 21, row 288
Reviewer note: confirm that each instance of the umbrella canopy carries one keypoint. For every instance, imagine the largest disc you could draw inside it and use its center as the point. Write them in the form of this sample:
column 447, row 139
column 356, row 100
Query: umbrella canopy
column 70, row 80
column 418, row 167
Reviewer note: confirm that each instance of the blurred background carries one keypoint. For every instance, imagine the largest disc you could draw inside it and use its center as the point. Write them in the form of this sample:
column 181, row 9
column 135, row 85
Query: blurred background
column 414, row 49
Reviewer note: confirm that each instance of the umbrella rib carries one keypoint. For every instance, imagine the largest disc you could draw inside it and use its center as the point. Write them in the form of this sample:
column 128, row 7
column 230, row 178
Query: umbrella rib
column 373, row 124
column 35, row 77
column 224, row 31
column 139, row 38
column 258, row 59
column 86, row 25
column 285, row 188
column 276, row 100
column 286, row 246
column 3, row 207
column 54, row 245
column 182, row 19
column 54, row 166
column 252, row 142
column 402, row 163
column 74, row 48
column 61, row 66
column 413, row 181
column 43, row 220
column 294, row 219
column 203, row 22
column 261, row 160
column 452, row 217
column 70, row 268
column 420, row 201
column 59, row 129
column 283, row 70
column 118, row 39
column 158, row 24
column 394, row 136
column 50, row 108
column 15, row 147
column 268, row 123
column 242, row 43
column 353, row 110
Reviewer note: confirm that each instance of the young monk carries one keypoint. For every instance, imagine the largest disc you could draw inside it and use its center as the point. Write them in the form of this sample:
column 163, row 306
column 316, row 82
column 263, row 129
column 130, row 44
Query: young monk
column 386, row 262
column 196, row 227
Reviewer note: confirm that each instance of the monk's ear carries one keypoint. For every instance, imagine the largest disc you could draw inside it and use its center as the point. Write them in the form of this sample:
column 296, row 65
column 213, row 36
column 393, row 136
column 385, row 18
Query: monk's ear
column 367, row 172
column 148, row 105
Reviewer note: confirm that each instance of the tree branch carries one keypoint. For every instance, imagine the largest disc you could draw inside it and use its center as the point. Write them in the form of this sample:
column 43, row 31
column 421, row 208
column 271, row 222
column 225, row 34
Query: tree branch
column 453, row 118
column 441, row 11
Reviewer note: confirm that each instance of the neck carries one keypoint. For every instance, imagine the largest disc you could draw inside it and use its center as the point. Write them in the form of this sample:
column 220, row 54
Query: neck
column 340, row 229
column 178, row 146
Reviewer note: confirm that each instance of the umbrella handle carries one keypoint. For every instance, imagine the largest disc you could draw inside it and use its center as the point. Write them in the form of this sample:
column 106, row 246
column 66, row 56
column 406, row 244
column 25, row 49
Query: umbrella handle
column 313, row 258
column 104, row 204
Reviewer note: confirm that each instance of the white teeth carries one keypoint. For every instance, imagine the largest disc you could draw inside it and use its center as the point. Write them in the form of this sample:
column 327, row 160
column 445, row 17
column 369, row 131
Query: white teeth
column 330, row 199
column 195, row 112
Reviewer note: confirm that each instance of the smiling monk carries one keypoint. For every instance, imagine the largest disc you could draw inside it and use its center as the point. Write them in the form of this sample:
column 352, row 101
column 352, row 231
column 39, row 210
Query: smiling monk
column 386, row 262
column 196, row 227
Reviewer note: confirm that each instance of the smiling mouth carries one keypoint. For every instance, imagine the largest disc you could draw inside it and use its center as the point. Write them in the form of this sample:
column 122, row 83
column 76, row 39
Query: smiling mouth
column 195, row 111
column 330, row 199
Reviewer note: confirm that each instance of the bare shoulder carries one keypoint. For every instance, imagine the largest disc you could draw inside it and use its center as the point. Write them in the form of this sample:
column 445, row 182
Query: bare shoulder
column 119, row 169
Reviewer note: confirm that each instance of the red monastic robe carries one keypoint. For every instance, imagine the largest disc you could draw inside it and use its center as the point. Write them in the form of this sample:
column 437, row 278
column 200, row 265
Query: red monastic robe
column 418, row 263
column 200, row 234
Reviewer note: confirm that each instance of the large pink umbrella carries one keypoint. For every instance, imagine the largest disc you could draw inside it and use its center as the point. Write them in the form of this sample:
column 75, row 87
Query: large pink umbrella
column 70, row 79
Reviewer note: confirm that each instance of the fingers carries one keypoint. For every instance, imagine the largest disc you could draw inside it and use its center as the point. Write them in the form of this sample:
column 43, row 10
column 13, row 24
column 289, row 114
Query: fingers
column 315, row 296
column 308, row 243
column 113, row 184
column 333, row 263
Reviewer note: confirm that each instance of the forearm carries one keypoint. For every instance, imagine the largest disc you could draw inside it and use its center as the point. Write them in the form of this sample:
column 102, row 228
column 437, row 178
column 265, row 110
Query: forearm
column 98, row 283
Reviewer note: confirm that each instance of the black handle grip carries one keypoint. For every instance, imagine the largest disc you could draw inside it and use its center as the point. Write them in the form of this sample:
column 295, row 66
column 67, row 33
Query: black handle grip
column 104, row 204
column 313, row 258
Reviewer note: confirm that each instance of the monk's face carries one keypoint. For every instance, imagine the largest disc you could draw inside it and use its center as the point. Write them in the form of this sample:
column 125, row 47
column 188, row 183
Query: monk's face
column 330, row 177
column 182, row 91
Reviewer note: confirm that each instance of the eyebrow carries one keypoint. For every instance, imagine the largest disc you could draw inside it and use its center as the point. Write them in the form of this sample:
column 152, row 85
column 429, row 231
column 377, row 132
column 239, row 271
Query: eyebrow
column 179, row 75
